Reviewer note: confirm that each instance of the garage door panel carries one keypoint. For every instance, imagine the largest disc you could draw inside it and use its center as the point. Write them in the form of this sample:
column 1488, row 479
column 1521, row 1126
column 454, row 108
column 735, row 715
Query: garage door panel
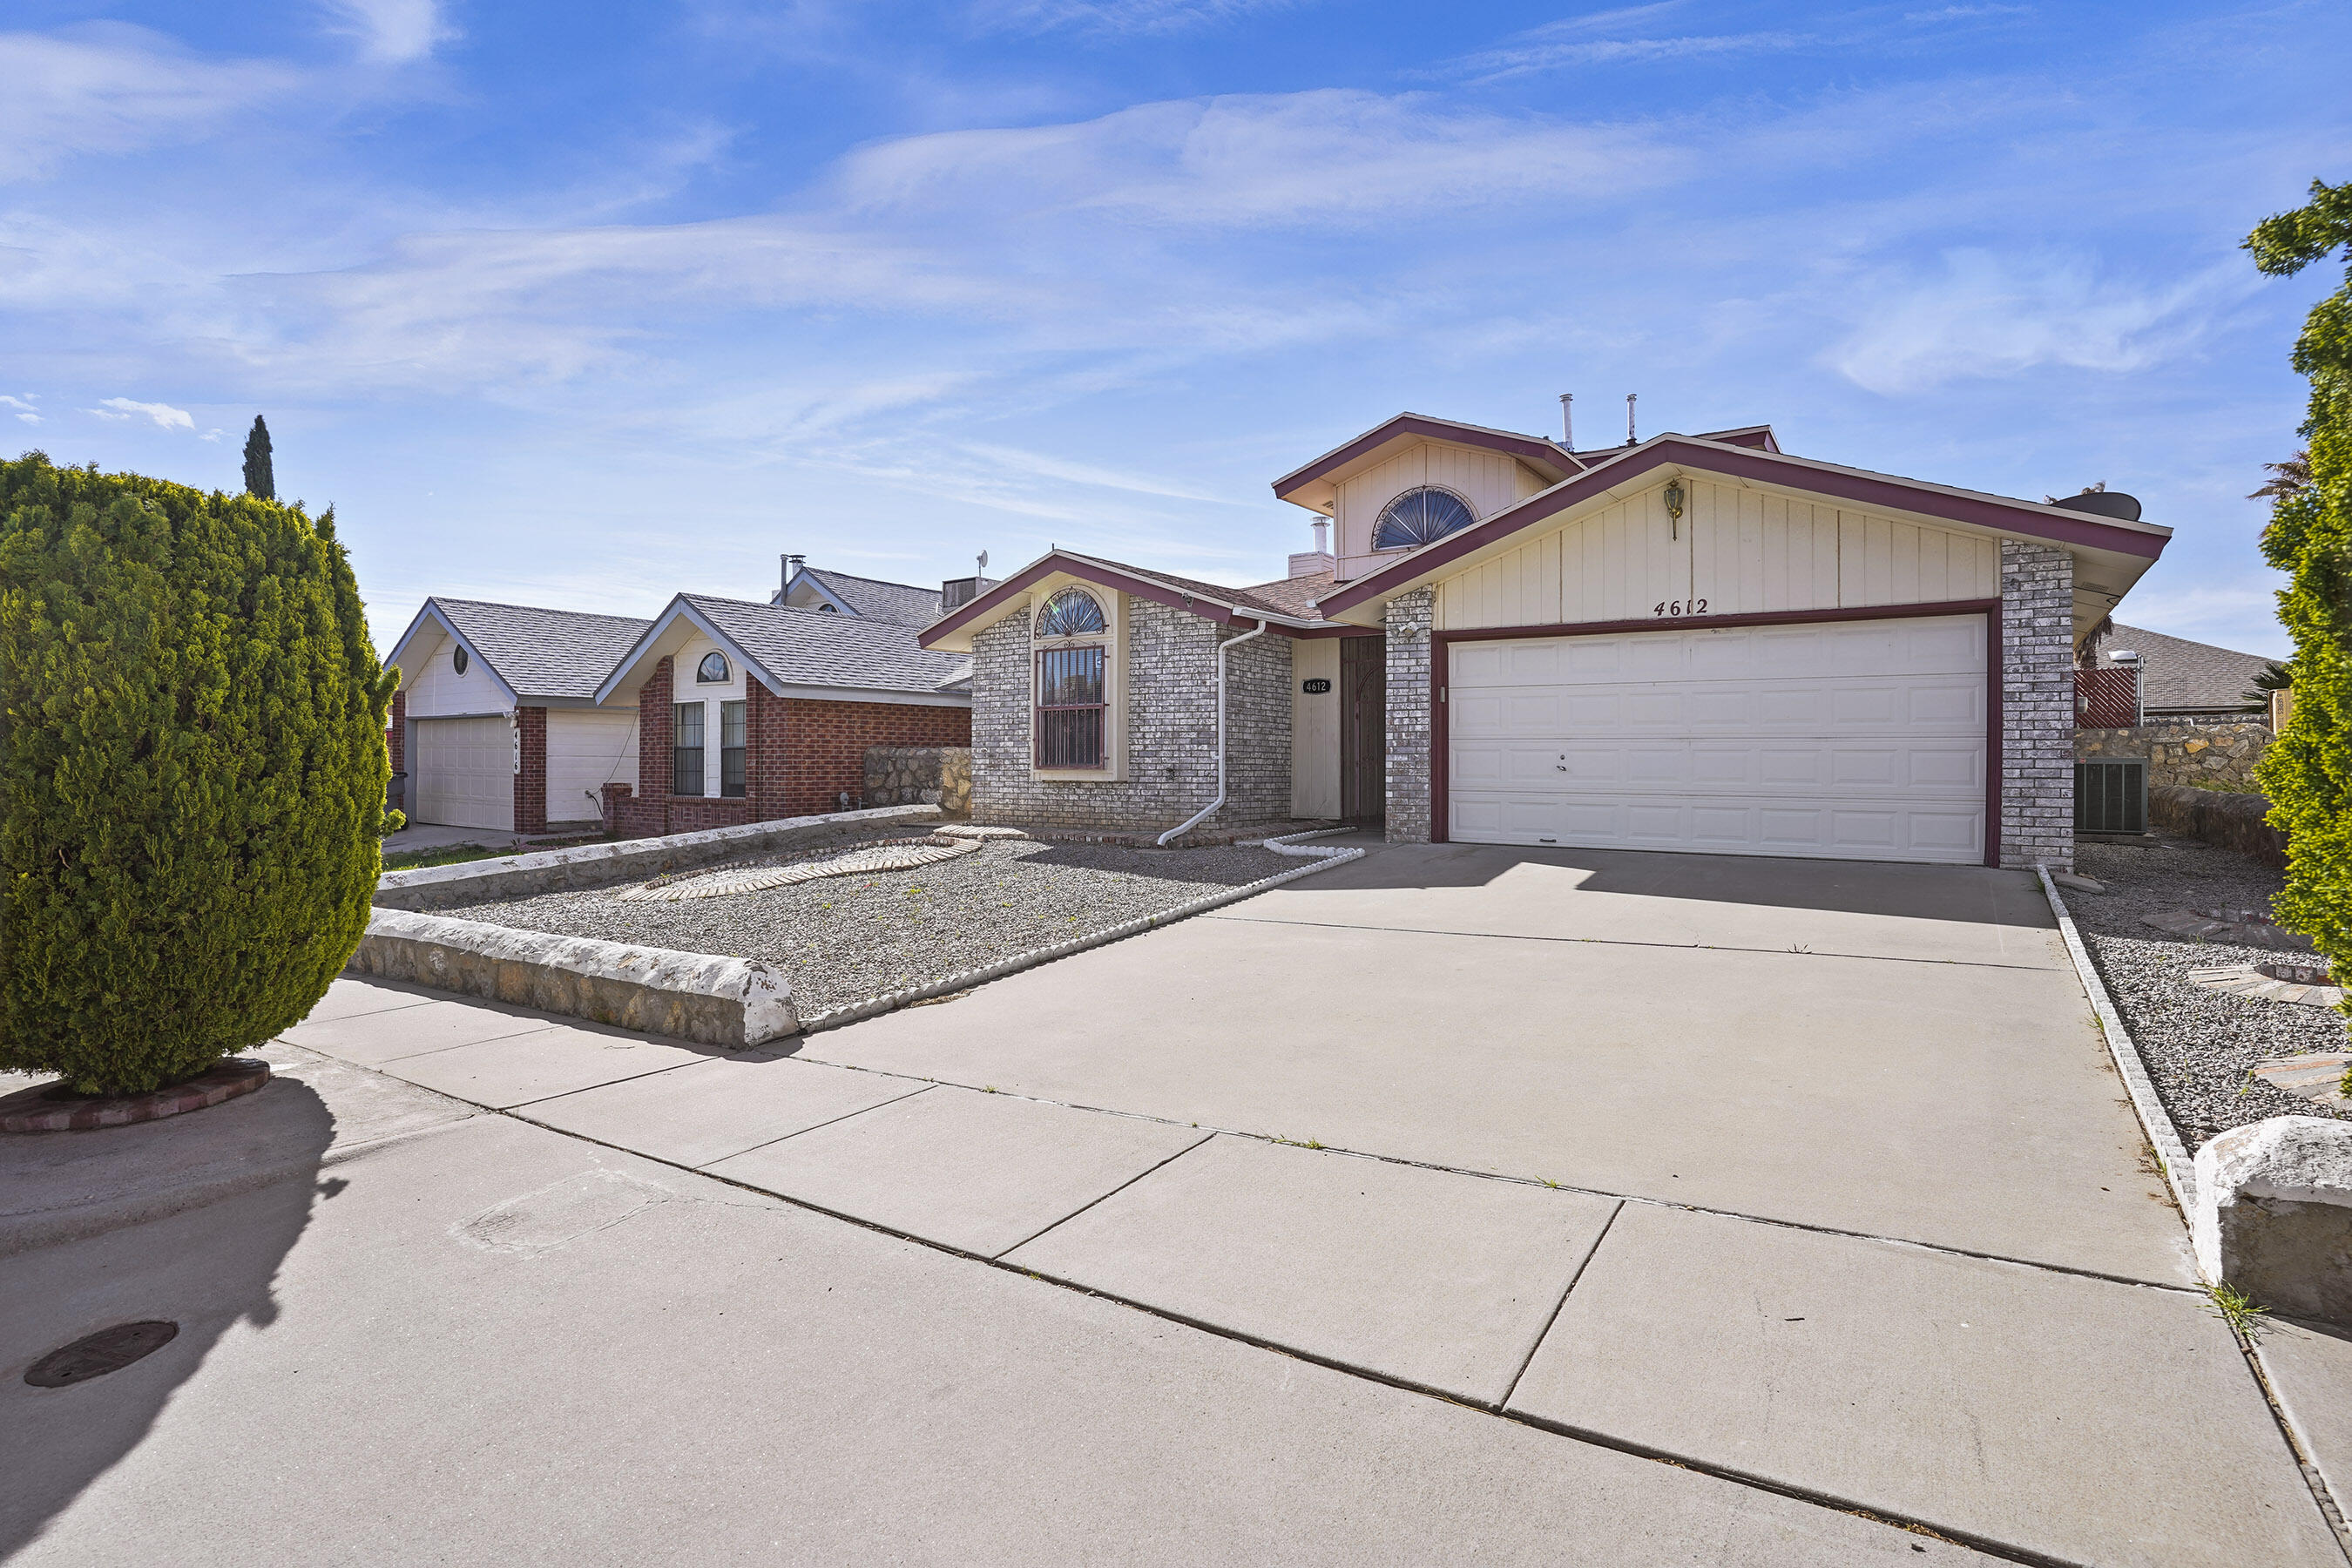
column 464, row 771
column 1858, row 739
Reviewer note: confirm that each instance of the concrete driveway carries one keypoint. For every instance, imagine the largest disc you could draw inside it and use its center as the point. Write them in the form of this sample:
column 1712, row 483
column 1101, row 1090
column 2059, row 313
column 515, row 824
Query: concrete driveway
column 1734, row 1211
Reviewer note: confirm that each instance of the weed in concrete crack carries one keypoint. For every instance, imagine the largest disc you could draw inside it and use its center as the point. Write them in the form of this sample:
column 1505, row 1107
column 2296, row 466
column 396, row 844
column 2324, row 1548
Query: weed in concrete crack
column 1313, row 1143
column 1548, row 1182
column 2237, row 1308
column 990, row 1089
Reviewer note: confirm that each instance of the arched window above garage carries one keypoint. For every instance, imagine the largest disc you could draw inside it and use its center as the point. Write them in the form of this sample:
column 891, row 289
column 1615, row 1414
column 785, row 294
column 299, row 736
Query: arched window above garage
column 1418, row 516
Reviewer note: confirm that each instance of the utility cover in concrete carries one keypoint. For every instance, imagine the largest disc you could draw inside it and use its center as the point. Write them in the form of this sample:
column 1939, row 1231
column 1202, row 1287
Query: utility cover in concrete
column 979, row 1172
column 697, row 1114
column 539, row 1065
column 1441, row 1280
column 373, row 1038
column 2089, row 1421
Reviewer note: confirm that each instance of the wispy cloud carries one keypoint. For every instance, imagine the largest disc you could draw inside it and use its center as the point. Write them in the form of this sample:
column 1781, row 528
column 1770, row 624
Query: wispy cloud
column 165, row 417
column 1966, row 13
column 109, row 87
column 1606, row 39
column 1143, row 16
column 23, row 407
column 1985, row 314
column 391, row 32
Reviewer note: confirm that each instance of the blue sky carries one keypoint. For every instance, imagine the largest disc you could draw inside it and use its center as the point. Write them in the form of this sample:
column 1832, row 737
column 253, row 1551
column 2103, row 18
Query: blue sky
column 585, row 306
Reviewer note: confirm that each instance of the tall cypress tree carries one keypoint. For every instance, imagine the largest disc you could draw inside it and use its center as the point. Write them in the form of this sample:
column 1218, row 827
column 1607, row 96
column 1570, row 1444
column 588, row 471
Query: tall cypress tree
column 2307, row 772
column 259, row 480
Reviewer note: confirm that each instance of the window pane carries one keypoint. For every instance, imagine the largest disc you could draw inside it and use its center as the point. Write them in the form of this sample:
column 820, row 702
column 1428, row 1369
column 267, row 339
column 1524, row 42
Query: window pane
column 689, row 723
column 730, row 750
column 1069, row 676
column 731, row 723
column 685, row 749
column 1071, row 613
column 1070, row 737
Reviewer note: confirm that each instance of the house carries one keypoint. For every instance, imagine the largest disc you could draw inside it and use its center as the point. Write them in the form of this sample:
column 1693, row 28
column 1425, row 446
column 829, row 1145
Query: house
column 751, row 711
column 497, row 722
column 838, row 593
column 1695, row 642
column 2183, row 681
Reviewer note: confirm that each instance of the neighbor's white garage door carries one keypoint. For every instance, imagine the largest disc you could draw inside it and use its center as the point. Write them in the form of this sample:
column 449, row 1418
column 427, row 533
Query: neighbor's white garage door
column 462, row 774
column 1853, row 739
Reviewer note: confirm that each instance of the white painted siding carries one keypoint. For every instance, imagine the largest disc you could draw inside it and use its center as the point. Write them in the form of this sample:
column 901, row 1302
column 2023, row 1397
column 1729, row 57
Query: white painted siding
column 436, row 688
column 1489, row 482
column 461, row 773
column 588, row 748
column 685, row 688
column 1314, row 728
column 1738, row 550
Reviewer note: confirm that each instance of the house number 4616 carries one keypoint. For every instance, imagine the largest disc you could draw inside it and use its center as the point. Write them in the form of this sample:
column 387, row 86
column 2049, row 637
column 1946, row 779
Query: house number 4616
column 1679, row 608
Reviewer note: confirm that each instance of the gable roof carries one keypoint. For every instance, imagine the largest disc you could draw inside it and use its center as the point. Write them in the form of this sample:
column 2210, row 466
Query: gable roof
column 901, row 603
column 789, row 649
column 2179, row 675
column 1295, row 596
column 1548, row 458
column 1212, row 601
column 2141, row 542
column 534, row 652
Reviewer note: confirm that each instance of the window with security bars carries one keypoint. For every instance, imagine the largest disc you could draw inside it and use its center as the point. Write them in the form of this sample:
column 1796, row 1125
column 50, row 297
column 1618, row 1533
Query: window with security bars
column 685, row 749
column 2111, row 798
column 730, row 749
column 1070, row 708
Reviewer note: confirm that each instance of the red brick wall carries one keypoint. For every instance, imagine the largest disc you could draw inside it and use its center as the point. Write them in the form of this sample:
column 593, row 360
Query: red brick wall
column 396, row 733
column 654, row 719
column 530, row 778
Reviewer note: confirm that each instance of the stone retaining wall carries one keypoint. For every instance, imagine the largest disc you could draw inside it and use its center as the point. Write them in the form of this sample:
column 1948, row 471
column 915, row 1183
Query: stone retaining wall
column 593, row 865
column 2229, row 820
column 2214, row 756
column 920, row 775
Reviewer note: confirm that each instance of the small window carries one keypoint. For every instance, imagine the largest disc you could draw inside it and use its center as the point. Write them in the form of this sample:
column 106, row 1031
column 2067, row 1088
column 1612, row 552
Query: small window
column 730, row 750
column 1070, row 708
column 712, row 670
column 685, row 749
column 1418, row 516
column 458, row 661
column 1072, row 613
column 829, row 609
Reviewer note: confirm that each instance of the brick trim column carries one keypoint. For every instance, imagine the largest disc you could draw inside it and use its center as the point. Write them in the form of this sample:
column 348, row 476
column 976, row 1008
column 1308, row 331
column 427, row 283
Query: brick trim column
column 2037, row 705
column 654, row 719
column 1410, row 618
column 530, row 775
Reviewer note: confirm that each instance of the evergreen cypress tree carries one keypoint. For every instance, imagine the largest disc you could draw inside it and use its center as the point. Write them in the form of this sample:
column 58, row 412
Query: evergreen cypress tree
column 2307, row 773
column 259, row 480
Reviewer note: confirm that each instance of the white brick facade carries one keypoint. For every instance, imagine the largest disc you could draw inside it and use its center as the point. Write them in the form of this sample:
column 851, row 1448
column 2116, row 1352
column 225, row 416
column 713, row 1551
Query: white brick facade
column 2037, row 705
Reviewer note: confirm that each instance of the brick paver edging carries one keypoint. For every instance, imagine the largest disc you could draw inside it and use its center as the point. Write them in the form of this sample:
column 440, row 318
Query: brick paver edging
column 1323, row 859
column 2179, row 1170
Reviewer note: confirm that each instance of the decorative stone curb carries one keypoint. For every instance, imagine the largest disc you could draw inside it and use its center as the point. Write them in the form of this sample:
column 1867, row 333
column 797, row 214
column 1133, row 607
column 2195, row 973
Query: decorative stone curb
column 596, row 864
column 891, row 1001
column 2249, row 926
column 2247, row 980
column 2179, row 1170
column 43, row 1109
column 973, row 830
column 2317, row 1077
column 878, row 855
column 699, row 996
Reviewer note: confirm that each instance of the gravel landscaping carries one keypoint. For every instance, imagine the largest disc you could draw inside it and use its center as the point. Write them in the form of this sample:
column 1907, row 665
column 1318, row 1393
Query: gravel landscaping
column 2197, row 1043
column 841, row 939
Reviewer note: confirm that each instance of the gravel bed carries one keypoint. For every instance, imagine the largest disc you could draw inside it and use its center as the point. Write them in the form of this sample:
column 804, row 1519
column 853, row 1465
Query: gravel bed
column 2198, row 1044
column 842, row 939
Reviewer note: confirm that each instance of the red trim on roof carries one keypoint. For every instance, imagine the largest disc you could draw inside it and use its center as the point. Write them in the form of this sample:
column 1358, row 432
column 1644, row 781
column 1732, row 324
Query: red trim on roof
column 1904, row 495
column 1031, row 575
column 1527, row 448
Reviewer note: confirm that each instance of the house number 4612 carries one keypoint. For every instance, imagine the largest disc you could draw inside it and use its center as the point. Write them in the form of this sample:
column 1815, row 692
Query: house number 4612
column 1679, row 608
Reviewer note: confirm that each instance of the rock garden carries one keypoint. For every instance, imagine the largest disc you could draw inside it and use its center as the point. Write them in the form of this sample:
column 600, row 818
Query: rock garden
column 2172, row 937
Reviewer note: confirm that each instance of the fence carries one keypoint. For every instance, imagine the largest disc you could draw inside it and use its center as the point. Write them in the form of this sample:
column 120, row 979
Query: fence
column 2107, row 699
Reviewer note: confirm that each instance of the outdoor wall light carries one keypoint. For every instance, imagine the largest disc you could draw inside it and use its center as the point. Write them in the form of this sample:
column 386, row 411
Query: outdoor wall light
column 1675, row 506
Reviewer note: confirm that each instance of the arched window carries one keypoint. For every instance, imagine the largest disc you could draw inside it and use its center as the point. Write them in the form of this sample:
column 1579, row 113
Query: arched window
column 712, row 670
column 1071, row 613
column 1418, row 516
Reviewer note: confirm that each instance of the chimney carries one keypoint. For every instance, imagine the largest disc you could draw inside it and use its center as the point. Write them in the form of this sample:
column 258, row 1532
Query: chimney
column 1568, row 420
column 1317, row 560
column 1628, row 417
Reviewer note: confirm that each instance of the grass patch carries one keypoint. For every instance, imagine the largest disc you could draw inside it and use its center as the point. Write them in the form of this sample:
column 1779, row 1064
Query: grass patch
column 2237, row 1308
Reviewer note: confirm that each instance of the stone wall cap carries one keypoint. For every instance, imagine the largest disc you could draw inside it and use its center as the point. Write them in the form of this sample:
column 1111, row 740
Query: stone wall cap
column 2301, row 1159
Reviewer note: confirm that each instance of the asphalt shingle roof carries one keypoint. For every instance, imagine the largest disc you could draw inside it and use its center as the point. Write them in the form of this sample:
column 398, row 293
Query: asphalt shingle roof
column 544, row 653
column 812, row 648
column 2176, row 673
column 1272, row 598
column 872, row 599
column 1294, row 596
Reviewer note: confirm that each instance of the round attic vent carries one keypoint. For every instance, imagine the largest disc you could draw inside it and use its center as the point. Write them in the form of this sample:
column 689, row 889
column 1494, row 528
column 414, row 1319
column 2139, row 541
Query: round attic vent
column 458, row 661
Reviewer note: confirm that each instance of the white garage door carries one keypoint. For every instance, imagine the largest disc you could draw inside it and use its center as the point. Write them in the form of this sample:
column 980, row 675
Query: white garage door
column 1851, row 740
column 588, row 748
column 463, row 773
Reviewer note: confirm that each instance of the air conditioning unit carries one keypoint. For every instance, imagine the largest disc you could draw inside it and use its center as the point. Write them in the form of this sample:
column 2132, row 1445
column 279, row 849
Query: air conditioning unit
column 2111, row 798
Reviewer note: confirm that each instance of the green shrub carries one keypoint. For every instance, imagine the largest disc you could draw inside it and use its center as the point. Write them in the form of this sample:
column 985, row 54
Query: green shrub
column 2307, row 773
column 192, row 772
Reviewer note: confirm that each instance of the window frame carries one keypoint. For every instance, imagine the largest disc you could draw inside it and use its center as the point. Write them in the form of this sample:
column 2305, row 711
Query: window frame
column 1377, row 548
column 1071, row 590
column 703, row 676
column 1047, row 718
column 678, row 750
column 1109, row 644
column 733, row 772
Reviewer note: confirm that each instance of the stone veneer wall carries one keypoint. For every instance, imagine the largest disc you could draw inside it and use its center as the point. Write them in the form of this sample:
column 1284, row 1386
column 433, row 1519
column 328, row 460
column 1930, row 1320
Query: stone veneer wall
column 920, row 775
column 2037, row 705
column 2205, row 756
column 1410, row 617
column 1172, row 729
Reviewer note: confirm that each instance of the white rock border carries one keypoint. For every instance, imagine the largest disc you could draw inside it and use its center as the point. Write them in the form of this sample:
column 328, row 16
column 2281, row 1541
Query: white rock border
column 1290, row 844
column 2180, row 1169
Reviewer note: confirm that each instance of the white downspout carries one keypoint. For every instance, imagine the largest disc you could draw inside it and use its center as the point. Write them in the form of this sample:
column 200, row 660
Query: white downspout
column 1203, row 814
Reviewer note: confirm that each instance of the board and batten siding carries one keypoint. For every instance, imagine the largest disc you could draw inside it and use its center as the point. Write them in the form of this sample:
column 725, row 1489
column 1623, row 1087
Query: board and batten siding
column 1740, row 550
column 1489, row 482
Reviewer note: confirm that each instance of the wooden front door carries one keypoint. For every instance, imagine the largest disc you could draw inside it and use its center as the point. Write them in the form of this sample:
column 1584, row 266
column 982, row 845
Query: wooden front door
column 1363, row 729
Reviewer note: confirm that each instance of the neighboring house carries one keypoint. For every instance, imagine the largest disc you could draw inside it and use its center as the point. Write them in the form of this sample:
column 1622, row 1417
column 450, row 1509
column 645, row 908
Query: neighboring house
column 1695, row 643
column 753, row 711
column 2180, row 679
column 497, row 722
column 838, row 593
